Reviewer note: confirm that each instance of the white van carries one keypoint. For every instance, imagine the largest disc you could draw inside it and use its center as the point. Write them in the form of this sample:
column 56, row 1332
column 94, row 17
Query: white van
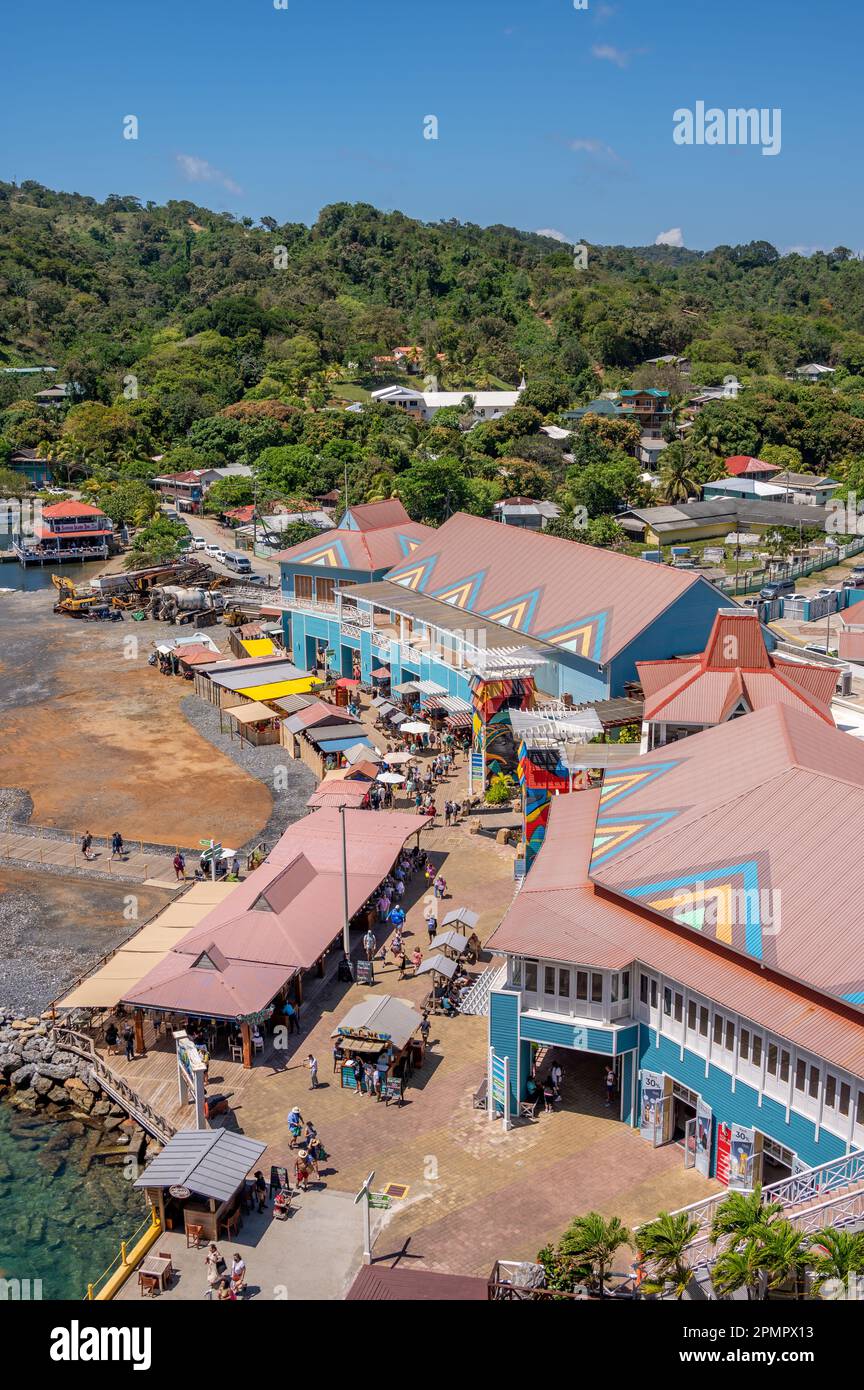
column 237, row 562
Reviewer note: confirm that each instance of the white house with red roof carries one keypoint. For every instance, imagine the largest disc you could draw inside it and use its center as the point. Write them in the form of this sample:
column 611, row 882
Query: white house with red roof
column 68, row 530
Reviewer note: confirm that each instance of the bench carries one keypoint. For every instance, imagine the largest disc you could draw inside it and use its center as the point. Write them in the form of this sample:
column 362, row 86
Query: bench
column 480, row 1095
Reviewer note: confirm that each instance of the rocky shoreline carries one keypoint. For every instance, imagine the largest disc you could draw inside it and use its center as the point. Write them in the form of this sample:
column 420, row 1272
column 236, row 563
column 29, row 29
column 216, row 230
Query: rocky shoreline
column 37, row 1076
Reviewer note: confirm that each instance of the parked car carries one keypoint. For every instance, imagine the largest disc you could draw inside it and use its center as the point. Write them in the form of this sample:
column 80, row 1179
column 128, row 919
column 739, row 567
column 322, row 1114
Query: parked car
column 214, row 551
column 237, row 562
column 776, row 589
column 820, row 649
column 198, row 543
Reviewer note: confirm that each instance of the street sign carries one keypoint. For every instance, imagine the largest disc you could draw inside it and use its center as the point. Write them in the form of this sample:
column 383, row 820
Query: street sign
column 379, row 1200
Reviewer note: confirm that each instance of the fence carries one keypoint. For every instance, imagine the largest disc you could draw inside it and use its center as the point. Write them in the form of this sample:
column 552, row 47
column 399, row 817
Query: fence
column 115, row 1086
column 122, row 1264
column 797, row 569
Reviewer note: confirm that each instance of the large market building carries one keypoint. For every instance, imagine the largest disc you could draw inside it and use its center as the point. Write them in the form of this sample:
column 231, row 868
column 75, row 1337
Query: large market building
column 432, row 605
column 685, row 925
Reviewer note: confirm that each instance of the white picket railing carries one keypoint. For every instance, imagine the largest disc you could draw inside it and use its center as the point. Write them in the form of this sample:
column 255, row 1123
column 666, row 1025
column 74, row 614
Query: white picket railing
column 476, row 999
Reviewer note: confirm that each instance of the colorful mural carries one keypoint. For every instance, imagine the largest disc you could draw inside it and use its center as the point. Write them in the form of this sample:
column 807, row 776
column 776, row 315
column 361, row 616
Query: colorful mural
column 542, row 775
column 492, row 733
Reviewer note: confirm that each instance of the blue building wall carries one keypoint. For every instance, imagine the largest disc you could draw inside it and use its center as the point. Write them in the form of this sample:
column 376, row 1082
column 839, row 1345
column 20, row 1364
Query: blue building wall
column 510, row 1032
column 682, row 629
column 740, row 1106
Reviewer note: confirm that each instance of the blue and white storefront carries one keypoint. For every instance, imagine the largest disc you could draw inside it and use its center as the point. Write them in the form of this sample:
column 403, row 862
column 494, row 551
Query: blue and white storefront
column 689, row 1070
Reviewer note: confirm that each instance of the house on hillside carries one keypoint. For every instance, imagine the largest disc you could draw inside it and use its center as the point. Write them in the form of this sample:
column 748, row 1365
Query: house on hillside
column 424, row 405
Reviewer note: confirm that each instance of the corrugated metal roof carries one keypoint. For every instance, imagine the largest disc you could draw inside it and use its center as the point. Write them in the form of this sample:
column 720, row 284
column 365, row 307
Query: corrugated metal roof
column 212, row 1163
column 561, row 915
column 365, row 551
column 757, row 805
column 380, row 1283
column 576, row 596
column 373, row 516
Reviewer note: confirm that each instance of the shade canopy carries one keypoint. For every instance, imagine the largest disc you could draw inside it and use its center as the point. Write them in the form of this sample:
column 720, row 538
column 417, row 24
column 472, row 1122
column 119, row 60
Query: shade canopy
column 346, row 682
column 461, row 916
column 452, row 941
column 391, row 778
column 255, row 713
column 362, row 753
column 438, row 965
column 381, row 673
column 395, row 759
column 337, row 745
column 415, row 726
column 210, row 1162
column 386, row 1019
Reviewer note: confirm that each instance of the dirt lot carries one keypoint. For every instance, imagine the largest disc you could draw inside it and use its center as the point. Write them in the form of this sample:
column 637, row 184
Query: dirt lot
column 54, row 928
column 97, row 738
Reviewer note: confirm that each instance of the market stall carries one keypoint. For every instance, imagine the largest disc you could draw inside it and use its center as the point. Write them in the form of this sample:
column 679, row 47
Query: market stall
column 378, row 1033
column 196, row 1183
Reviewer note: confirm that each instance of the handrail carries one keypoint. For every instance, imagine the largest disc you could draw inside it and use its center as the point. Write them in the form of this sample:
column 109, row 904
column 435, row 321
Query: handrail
column 476, row 1000
column 800, row 1187
column 116, row 1087
column 121, row 1258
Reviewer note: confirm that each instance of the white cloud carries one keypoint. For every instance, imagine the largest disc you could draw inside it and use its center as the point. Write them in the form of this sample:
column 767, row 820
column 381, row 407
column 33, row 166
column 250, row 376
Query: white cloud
column 554, row 234
column 674, row 237
column 607, row 52
column 201, row 171
column 596, row 148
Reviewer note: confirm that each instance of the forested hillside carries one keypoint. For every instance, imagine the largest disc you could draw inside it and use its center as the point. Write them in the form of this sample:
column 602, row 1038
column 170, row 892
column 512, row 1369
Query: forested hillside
column 206, row 339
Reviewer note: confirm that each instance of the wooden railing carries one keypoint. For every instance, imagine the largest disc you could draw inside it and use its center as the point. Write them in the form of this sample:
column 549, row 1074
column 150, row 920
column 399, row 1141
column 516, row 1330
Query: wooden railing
column 114, row 1085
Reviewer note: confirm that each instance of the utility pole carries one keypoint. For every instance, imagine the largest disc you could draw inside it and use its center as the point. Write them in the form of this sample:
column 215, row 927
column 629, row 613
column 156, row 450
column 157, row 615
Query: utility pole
column 346, row 924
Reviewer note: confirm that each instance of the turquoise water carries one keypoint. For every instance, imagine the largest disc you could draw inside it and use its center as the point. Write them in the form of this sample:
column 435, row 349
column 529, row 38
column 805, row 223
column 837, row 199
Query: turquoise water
column 62, row 1212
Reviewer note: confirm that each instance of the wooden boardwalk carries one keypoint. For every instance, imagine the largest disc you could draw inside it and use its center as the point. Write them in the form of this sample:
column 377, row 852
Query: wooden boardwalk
column 135, row 867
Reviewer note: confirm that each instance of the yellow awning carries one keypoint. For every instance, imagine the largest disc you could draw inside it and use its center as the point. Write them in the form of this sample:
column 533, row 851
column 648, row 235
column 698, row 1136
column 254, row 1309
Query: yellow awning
column 258, row 646
column 275, row 692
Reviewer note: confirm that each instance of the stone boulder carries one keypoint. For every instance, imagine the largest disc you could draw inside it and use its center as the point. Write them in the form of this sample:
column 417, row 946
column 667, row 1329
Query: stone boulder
column 20, row 1079
column 42, row 1085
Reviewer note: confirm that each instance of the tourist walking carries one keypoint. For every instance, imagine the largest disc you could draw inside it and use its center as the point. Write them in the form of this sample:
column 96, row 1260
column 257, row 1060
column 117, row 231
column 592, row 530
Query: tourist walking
column 291, row 1016
column 439, row 887
column 260, row 1190
column 117, row 845
column 129, row 1042
column 215, row 1266
column 557, row 1079
column 431, row 919
column 179, row 866
column 295, row 1125
column 238, row 1275
column 548, row 1094
column 370, row 944
column 86, row 842
column 611, row 1083
column 312, row 1064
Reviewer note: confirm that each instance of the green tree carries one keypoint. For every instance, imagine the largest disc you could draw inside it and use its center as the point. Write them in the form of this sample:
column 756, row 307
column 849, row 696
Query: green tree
column 592, row 1240
column 158, row 541
column 12, row 484
column 741, row 1216
column 663, row 1243
column 836, row 1259
column 227, row 493
column 678, row 479
column 432, row 490
column 784, row 1256
column 132, row 503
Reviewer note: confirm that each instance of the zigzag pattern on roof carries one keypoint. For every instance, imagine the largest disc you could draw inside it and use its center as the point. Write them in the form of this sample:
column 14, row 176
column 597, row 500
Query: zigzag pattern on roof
column 584, row 637
column 332, row 555
column 414, row 577
column 614, row 833
column 516, row 613
column 725, row 903
column 623, row 781
column 407, row 544
column 462, row 594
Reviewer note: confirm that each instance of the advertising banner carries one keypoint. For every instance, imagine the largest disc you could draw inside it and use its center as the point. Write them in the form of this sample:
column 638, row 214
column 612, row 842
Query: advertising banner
column 735, row 1151
column 703, row 1138
column 651, row 1113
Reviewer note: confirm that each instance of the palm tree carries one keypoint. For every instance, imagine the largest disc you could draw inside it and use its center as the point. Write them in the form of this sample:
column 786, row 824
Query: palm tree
column 663, row 1242
column 741, row 1217
column 592, row 1240
column 784, row 1255
column 678, row 479
column 835, row 1256
column 738, row 1269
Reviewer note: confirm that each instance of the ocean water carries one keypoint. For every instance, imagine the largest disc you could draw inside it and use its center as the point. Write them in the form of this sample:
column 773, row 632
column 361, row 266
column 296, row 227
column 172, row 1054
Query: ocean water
column 63, row 1212
column 15, row 576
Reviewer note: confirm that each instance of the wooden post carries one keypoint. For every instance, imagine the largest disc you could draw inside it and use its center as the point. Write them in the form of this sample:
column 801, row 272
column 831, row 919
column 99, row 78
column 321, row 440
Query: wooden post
column 298, row 988
column 139, row 1033
column 246, row 1035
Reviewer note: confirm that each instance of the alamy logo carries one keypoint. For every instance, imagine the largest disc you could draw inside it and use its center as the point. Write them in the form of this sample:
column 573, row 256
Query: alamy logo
column 77, row 1343
column 737, row 126
column 845, row 516
column 21, row 518
column 735, row 907
column 20, row 1290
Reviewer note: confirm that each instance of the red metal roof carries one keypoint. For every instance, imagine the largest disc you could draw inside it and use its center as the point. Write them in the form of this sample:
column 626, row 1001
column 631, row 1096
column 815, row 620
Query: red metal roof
column 741, row 464
column 363, row 550
column 756, row 807
column 281, row 918
column 585, row 599
column 372, row 516
column 379, row 1283
column 71, row 508
column 560, row 914
column 735, row 668
column 339, row 792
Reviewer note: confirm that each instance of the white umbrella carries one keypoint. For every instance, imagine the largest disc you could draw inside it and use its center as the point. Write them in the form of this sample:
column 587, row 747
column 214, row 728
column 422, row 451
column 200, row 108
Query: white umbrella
column 414, row 726
column 391, row 777
column 396, row 758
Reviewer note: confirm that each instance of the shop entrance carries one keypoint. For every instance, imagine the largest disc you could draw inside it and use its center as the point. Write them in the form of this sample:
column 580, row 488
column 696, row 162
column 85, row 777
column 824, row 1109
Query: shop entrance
column 777, row 1162
column 583, row 1088
column 683, row 1113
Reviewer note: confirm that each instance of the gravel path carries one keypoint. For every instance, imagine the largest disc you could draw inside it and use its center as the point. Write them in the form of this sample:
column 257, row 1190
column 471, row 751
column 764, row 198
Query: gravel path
column 289, row 781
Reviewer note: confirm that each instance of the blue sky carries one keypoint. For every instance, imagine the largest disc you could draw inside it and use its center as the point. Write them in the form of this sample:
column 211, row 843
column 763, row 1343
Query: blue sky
column 549, row 117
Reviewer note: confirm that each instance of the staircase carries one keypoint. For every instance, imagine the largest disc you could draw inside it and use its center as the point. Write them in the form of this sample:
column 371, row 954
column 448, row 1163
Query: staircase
column 831, row 1194
column 476, row 999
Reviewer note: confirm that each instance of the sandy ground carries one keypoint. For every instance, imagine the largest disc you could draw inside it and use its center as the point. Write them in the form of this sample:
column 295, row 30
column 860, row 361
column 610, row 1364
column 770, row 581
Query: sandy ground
column 98, row 739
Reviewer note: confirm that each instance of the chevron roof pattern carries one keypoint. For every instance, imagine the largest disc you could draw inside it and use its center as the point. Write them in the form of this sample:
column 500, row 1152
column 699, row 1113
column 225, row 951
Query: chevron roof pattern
column 739, row 835
column 366, row 552
column 580, row 598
